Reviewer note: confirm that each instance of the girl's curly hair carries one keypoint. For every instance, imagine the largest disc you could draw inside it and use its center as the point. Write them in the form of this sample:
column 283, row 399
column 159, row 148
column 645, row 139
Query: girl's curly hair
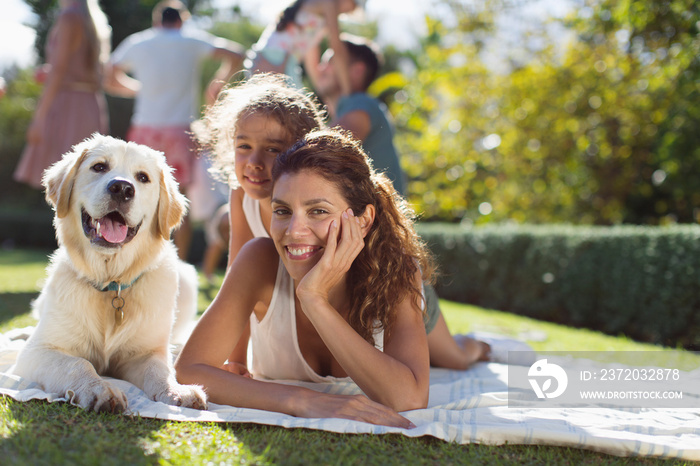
column 383, row 273
column 266, row 94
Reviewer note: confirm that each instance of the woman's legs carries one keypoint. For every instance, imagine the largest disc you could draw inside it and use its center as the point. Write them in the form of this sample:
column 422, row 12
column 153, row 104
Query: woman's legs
column 454, row 353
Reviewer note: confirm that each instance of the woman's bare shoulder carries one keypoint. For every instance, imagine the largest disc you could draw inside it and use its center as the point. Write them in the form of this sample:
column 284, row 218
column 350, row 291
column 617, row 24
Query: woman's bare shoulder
column 259, row 256
column 252, row 275
column 261, row 246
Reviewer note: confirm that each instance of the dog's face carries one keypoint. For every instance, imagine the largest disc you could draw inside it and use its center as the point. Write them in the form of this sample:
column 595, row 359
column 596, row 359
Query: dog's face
column 112, row 192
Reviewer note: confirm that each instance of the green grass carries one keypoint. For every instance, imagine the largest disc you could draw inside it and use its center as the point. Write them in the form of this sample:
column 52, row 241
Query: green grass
column 56, row 433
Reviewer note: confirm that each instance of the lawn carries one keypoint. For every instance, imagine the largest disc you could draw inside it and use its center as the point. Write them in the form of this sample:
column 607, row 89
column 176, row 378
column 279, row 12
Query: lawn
column 43, row 433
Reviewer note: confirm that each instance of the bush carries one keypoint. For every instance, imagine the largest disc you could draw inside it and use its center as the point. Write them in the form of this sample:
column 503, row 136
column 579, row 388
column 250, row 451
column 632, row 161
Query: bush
column 27, row 228
column 15, row 115
column 639, row 281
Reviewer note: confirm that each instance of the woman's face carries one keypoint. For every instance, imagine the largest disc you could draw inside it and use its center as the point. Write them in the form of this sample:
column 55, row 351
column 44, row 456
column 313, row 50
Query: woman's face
column 303, row 206
column 258, row 141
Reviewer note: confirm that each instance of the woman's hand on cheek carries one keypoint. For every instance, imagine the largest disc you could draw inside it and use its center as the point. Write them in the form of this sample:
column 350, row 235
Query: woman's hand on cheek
column 343, row 245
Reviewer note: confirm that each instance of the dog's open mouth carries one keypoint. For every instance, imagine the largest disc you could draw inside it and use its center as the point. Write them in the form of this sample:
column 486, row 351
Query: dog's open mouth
column 110, row 230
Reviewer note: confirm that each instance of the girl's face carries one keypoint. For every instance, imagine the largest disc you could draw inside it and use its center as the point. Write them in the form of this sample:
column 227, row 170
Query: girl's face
column 258, row 141
column 303, row 206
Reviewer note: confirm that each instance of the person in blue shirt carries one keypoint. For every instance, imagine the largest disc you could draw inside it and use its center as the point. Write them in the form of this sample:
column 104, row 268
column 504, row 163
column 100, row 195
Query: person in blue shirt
column 363, row 115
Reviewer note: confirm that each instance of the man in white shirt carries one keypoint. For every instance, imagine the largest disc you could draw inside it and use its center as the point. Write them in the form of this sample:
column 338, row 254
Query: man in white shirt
column 165, row 63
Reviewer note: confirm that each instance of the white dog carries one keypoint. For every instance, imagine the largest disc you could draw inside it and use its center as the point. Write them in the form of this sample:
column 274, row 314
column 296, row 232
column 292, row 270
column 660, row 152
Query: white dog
column 115, row 283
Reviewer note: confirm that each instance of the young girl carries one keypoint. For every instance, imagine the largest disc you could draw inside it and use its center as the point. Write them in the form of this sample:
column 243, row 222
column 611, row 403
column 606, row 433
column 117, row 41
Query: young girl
column 246, row 129
column 284, row 46
column 335, row 293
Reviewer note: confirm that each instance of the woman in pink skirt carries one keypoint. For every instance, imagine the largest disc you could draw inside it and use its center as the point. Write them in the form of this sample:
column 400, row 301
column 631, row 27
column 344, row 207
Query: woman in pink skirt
column 72, row 105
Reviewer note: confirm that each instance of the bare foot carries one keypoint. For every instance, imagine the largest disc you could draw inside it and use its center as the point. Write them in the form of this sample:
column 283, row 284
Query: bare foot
column 473, row 350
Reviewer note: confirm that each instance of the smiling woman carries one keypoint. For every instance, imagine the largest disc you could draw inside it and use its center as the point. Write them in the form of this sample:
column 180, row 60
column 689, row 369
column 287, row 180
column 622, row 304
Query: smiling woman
column 320, row 304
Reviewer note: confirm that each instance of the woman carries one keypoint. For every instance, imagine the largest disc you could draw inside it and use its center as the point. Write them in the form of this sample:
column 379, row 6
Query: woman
column 72, row 105
column 244, row 131
column 335, row 293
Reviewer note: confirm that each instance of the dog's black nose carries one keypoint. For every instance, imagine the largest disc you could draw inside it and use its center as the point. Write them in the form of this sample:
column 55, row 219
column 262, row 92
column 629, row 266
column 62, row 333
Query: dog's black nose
column 121, row 189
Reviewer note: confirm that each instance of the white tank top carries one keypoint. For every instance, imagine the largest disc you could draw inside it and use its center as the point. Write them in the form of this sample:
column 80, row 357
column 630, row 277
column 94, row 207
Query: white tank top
column 276, row 353
column 251, row 210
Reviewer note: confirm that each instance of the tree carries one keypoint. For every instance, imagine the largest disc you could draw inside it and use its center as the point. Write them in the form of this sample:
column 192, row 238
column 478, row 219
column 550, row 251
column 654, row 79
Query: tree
column 663, row 37
column 603, row 133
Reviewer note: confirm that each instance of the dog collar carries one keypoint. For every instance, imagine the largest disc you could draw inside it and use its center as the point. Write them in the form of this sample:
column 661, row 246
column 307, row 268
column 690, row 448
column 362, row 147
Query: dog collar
column 117, row 302
column 115, row 286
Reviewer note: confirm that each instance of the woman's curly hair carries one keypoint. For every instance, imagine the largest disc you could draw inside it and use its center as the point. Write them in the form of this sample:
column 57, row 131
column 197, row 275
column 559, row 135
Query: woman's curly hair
column 265, row 94
column 383, row 274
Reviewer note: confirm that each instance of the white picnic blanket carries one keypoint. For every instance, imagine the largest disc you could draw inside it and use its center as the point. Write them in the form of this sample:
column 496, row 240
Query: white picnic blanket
column 464, row 407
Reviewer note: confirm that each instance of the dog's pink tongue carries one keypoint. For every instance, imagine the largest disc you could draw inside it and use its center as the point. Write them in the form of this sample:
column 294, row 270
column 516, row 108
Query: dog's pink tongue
column 112, row 231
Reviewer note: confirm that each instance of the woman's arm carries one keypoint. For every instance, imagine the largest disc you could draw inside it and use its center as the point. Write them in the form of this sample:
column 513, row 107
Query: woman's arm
column 399, row 377
column 341, row 57
column 231, row 55
column 249, row 283
column 312, row 61
column 358, row 122
column 68, row 34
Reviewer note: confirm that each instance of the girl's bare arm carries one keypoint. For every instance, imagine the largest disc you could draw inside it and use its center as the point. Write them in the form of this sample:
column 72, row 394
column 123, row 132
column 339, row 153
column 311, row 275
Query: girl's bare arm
column 240, row 231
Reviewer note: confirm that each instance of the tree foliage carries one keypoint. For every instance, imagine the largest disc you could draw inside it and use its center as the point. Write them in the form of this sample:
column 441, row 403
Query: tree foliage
column 603, row 133
column 16, row 109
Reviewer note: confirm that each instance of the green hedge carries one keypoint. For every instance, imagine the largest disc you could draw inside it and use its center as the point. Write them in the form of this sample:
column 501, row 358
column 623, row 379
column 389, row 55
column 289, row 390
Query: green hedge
column 27, row 228
column 643, row 282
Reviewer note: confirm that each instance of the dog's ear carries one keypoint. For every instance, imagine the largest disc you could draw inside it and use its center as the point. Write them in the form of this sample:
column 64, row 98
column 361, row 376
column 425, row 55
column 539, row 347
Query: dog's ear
column 58, row 180
column 172, row 205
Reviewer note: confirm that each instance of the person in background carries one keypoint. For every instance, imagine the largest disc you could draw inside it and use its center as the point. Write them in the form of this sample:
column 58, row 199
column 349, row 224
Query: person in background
column 166, row 63
column 72, row 105
column 364, row 116
column 285, row 45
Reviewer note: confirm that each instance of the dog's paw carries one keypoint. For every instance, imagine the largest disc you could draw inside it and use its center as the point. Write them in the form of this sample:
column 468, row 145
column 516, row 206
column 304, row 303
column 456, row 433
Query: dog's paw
column 187, row 396
column 101, row 396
